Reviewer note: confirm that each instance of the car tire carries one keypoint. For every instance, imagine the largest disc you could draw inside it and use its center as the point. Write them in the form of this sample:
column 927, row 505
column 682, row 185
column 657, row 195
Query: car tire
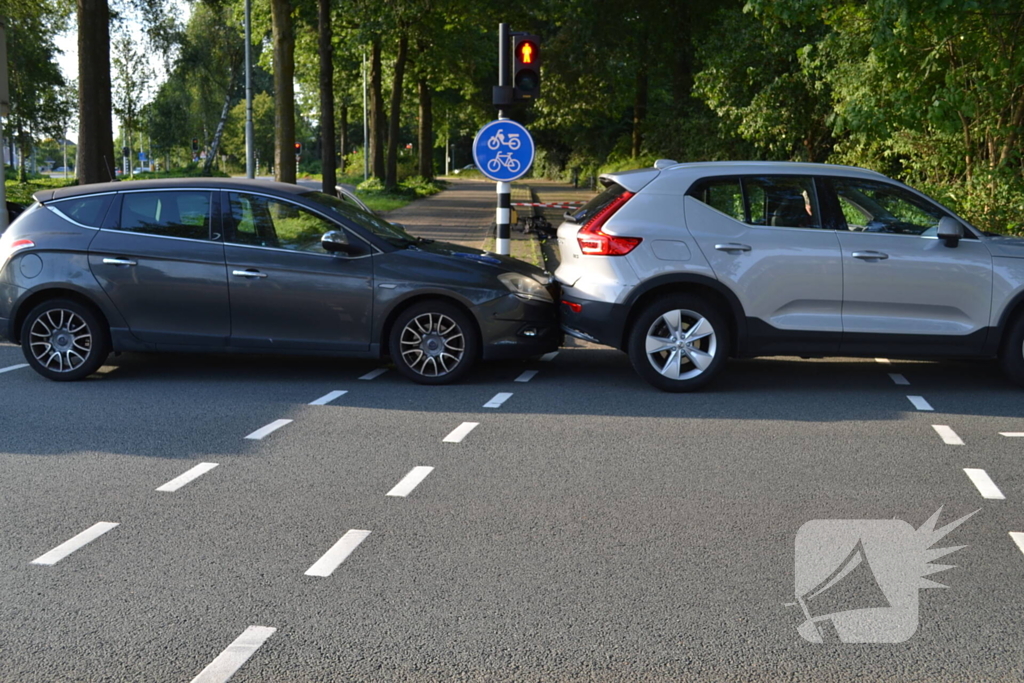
column 434, row 342
column 1012, row 355
column 64, row 340
column 679, row 343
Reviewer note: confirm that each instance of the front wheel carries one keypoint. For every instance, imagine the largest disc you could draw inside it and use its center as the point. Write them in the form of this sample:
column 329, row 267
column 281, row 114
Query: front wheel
column 434, row 342
column 679, row 343
column 1012, row 355
column 64, row 341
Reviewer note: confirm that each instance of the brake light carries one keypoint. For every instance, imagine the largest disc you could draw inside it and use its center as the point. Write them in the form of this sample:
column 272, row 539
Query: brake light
column 594, row 242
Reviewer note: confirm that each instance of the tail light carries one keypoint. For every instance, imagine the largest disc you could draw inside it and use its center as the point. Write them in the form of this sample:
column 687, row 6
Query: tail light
column 7, row 250
column 594, row 242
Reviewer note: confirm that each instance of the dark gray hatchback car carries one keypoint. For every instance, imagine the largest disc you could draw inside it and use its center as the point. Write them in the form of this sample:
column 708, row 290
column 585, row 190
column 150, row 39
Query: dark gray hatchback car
column 213, row 265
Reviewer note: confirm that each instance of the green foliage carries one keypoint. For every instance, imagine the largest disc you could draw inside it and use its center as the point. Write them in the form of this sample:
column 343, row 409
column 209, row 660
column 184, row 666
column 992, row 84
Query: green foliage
column 21, row 192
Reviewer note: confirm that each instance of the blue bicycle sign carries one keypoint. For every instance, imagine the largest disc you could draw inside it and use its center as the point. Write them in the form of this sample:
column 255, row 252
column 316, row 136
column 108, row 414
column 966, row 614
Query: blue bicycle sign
column 503, row 150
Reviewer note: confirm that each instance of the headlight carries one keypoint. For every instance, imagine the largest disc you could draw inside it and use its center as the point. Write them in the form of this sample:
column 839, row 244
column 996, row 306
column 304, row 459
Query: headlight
column 525, row 287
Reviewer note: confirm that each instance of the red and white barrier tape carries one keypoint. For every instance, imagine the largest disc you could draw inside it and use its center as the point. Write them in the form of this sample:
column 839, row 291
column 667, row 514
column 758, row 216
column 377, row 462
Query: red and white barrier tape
column 555, row 205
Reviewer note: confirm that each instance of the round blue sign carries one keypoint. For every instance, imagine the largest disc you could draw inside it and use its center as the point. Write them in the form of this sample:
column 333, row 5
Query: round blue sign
column 503, row 150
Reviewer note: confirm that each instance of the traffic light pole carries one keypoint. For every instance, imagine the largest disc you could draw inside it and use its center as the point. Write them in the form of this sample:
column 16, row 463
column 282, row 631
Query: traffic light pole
column 503, row 215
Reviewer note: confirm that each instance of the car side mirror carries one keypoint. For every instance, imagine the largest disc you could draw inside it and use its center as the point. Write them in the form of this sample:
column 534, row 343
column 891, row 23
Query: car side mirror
column 336, row 242
column 950, row 230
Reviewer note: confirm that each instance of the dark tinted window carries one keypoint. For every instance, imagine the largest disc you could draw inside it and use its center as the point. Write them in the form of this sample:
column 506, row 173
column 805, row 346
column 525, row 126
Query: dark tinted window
column 782, row 201
column 85, row 210
column 723, row 194
column 368, row 221
column 870, row 206
column 267, row 222
column 611, row 192
column 181, row 213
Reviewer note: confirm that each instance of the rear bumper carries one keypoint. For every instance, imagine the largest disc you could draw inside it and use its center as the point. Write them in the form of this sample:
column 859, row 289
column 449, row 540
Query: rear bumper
column 595, row 321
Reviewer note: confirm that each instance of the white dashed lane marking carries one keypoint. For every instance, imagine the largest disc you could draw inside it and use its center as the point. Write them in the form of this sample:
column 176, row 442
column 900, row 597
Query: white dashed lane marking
column 327, row 398
column 1018, row 538
column 13, row 367
column 1012, row 434
column 948, row 435
column 272, row 427
column 526, row 376
column 237, row 653
column 182, row 479
column 338, row 553
column 549, row 356
column 71, row 545
column 498, row 399
column 920, row 403
column 883, row 361
column 410, row 481
column 899, row 379
column 374, row 374
column 984, row 483
column 460, row 432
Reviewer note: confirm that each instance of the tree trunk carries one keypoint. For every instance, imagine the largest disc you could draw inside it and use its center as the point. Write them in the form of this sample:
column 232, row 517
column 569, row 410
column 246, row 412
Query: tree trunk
column 328, row 160
column 425, row 137
column 284, row 91
column 376, row 113
column 391, row 176
column 212, row 154
column 343, row 133
column 95, row 163
column 639, row 110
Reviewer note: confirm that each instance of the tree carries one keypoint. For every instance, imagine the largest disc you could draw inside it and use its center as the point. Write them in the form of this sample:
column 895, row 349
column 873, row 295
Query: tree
column 284, row 90
column 328, row 163
column 129, row 89
column 96, row 135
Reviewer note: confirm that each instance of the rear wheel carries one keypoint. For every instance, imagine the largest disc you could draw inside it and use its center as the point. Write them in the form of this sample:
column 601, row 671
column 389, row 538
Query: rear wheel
column 679, row 343
column 64, row 340
column 434, row 342
column 1012, row 356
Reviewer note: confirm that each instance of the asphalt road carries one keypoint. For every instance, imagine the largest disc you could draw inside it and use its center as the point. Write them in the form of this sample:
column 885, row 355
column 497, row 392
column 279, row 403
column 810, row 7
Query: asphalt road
column 587, row 529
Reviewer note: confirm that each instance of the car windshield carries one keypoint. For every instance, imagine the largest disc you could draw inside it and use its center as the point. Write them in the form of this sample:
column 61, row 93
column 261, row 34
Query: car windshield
column 378, row 226
column 611, row 191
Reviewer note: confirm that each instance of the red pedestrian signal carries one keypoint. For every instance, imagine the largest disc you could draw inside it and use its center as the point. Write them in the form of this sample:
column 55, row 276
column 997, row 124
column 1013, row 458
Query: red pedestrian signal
column 525, row 68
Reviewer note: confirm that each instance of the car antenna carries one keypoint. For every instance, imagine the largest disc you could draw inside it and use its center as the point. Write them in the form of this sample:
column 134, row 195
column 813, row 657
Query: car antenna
column 107, row 167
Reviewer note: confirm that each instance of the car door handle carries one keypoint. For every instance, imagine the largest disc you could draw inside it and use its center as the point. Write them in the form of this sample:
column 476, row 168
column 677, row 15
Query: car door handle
column 870, row 255
column 732, row 247
column 119, row 262
column 248, row 273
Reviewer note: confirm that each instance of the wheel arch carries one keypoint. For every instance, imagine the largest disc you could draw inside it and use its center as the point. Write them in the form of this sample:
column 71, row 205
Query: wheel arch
column 412, row 300
column 35, row 298
column 1013, row 311
column 714, row 291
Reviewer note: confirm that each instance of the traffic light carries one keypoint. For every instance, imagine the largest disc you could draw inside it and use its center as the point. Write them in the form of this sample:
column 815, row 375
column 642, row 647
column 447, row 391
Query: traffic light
column 298, row 150
column 525, row 67
column 195, row 145
column 125, row 152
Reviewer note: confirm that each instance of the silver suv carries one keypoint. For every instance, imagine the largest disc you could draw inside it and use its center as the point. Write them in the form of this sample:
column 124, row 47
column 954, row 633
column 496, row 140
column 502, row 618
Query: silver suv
column 683, row 265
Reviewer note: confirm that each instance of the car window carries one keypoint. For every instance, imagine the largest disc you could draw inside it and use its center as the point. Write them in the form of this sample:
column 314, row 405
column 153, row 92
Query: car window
column 610, row 194
column 782, row 201
column 85, row 210
column 723, row 194
column 178, row 213
column 871, row 206
column 268, row 222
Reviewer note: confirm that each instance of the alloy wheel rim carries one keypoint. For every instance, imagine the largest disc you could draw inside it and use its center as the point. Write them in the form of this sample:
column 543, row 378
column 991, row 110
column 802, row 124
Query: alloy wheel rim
column 432, row 344
column 60, row 340
column 681, row 344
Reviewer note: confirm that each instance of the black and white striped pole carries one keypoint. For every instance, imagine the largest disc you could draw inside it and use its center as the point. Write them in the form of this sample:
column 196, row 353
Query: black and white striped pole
column 503, row 215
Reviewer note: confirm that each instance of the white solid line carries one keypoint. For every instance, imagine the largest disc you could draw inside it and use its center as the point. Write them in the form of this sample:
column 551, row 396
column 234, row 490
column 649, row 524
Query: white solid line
column 70, row 546
column 948, row 435
column 920, row 403
column 182, row 479
column 338, row 553
column 899, row 379
column 884, row 361
column 235, row 655
column 374, row 374
column 1011, row 434
column 460, row 432
column 498, row 399
column 549, row 356
column 526, row 376
column 1018, row 538
column 272, row 427
column 986, row 486
column 327, row 398
column 14, row 367
column 410, row 481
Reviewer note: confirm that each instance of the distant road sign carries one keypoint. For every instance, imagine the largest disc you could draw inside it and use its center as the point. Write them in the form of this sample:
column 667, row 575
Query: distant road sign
column 503, row 150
